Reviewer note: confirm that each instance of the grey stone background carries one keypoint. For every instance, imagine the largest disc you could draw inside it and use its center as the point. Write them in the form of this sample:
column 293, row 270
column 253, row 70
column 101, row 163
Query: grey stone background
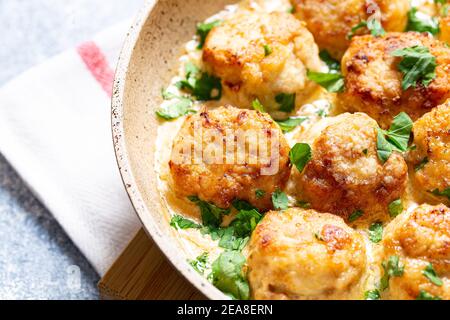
column 37, row 259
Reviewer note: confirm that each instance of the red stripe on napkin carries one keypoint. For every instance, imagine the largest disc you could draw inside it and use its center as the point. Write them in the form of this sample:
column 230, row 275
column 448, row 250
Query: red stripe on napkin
column 97, row 64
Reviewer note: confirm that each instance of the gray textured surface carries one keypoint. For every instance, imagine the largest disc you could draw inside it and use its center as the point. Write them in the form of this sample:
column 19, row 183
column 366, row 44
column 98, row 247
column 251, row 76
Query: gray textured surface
column 37, row 259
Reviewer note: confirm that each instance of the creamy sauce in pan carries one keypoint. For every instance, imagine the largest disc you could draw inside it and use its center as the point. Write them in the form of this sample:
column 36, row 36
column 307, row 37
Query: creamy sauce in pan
column 319, row 111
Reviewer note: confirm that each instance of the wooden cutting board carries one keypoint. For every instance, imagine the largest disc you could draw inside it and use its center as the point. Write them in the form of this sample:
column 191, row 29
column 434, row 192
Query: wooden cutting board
column 142, row 272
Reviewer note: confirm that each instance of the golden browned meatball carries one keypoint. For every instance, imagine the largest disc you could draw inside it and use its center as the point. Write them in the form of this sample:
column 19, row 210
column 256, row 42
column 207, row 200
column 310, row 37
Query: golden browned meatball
column 431, row 158
column 444, row 25
column 419, row 238
column 330, row 21
column 262, row 55
column 242, row 151
column 345, row 175
column 303, row 254
column 373, row 83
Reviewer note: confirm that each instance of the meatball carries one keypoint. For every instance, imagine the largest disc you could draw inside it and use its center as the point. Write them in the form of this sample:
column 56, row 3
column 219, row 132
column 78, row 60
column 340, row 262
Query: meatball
column 444, row 26
column 373, row 83
column 419, row 238
column 431, row 158
column 262, row 55
column 303, row 254
column 345, row 176
column 330, row 21
column 228, row 153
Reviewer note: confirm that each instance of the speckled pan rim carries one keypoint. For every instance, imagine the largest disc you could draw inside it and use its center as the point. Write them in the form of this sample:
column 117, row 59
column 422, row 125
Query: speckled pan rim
column 128, row 179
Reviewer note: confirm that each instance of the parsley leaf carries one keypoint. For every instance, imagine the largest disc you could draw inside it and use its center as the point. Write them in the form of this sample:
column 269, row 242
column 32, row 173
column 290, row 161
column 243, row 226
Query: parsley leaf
column 286, row 102
column 237, row 234
column 418, row 65
column 421, row 22
column 395, row 208
column 431, row 274
column 423, row 295
column 239, row 204
column 372, row 295
column 200, row 264
column 203, row 30
column 200, row 84
column 179, row 222
column 178, row 108
column 445, row 193
column 258, row 106
column 260, row 193
column 374, row 26
column 333, row 65
column 228, row 275
column 211, row 214
column 267, row 50
column 392, row 268
column 290, row 124
column 396, row 138
column 355, row 215
column 332, row 82
column 376, row 232
column 300, row 155
column 280, row 200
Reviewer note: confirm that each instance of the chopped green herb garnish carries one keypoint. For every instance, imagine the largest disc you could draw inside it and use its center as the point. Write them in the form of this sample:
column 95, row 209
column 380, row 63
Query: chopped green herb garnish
column 392, row 268
column 373, row 25
column 376, row 232
column 211, row 214
column 237, row 234
column 286, row 102
column 332, row 82
column 431, row 274
column 228, row 275
column 203, row 30
column 333, row 65
column 200, row 264
column 260, row 193
column 300, row 155
column 396, row 138
column 445, row 193
column 239, row 205
column 395, row 208
column 258, row 106
column 366, row 151
column 267, row 50
column 179, row 222
column 372, row 295
column 423, row 295
column 200, row 84
column 422, row 164
column 291, row 123
column 418, row 65
column 421, row 22
column 180, row 107
column 280, row 200
column 355, row 215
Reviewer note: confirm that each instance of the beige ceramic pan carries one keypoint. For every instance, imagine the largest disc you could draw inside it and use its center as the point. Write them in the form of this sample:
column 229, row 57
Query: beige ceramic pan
column 146, row 64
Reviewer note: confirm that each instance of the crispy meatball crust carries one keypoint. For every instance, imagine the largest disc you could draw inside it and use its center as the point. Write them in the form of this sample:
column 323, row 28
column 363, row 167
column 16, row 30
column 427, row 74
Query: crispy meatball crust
column 432, row 155
column 418, row 238
column 236, row 51
column 220, row 182
column 303, row 254
column 373, row 82
column 345, row 174
column 330, row 21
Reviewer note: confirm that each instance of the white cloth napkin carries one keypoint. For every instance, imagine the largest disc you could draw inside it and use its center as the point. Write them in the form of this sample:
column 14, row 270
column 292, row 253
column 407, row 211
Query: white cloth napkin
column 55, row 131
